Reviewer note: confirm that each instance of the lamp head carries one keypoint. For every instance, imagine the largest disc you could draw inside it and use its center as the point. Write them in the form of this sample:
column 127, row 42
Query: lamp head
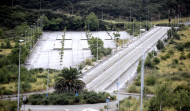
column 21, row 41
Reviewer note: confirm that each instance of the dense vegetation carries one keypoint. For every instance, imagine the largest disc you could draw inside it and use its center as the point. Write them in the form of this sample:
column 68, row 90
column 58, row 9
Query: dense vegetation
column 84, row 97
column 111, row 8
column 6, row 105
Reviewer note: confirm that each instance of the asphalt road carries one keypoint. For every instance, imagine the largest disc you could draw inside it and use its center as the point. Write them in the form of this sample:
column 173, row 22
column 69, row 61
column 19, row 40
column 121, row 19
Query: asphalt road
column 104, row 75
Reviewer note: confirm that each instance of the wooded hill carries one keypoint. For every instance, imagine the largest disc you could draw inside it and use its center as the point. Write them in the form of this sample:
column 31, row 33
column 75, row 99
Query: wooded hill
column 112, row 9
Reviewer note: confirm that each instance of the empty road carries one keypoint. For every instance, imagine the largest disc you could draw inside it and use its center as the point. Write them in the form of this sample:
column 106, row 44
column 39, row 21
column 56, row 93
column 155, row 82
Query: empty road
column 123, row 63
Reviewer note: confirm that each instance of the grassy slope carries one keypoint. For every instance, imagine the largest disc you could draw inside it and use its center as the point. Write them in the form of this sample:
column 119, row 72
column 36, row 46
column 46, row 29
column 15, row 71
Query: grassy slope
column 184, row 19
column 40, row 85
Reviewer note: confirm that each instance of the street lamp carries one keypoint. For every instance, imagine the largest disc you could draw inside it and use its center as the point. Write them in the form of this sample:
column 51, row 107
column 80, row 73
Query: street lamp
column 48, row 76
column 142, row 75
column 19, row 74
column 97, row 49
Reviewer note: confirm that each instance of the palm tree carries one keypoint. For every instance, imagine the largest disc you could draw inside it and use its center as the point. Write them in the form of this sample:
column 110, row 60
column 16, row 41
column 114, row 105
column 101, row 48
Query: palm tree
column 68, row 81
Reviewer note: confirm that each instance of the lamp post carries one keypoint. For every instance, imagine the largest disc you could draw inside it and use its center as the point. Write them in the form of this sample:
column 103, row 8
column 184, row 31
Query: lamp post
column 48, row 76
column 117, row 83
column 97, row 49
column 142, row 75
column 19, row 76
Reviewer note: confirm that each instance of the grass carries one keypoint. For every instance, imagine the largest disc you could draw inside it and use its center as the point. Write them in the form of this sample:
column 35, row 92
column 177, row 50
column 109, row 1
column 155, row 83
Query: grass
column 167, row 70
column 133, row 104
column 173, row 20
column 5, row 51
column 39, row 85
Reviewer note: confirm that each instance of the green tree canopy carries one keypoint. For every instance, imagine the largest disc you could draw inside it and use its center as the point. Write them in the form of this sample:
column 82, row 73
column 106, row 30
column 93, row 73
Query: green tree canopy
column 68, row 81
column 91, row 21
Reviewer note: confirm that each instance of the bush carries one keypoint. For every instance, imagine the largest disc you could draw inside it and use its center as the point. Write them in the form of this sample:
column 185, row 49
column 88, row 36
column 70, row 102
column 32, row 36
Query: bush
column 156, row 60
column 171, row 51
column 160, row 45
column 154, row 53
column 150, row 80
column 106, row 51
column 138, row 83
column 188, row 55
column 69, row 98
column 167, row 55
column 149, row 63
column 6, row 105
column 88, row 62
column 187, row 44
column 176, row 36
column 179, row 46
column 163, row 57
column 175, row 61
column 182, row 56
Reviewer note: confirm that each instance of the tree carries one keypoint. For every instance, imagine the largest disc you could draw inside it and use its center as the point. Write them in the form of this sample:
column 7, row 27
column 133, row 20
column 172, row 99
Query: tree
column 93, row 46
column 21, row 29
column 68, row 81
column 91, row 21
column 183, row 100
column 163, row 98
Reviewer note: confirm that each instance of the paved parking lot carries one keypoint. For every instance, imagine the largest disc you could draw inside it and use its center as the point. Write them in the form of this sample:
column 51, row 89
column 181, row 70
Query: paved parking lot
column 47, row 48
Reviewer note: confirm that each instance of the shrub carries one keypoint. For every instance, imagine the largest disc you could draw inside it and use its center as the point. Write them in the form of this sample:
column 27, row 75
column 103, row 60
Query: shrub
column 160, row 45
column 188, row 55
column 149, row 63
column 150, row 55
column 179, row 46
column 132, row 89
column 176, row 36
column 171, row 51
column 69, row 98
column 167, row 55
column 88, row 62
column 8, row 44
column 154, row 53
column 156, row 60
column 150, row 80
column 6, row 105
column 187, row 44
column 138, row 83
column 163, row 57
column 175, row 61
column 182, row 56
column 106, row 51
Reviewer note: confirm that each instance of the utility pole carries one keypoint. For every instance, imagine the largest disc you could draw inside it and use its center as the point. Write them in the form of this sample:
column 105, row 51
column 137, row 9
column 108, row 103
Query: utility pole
column 140, row 26
column 40, row 5
column 72, row 9
column 102, row 13
column 142, row 74
column 48, row 76
column 146, row 23
column 97, row 49
column 118, row 82
column 12, row 3
column 133, row 28
column 130, row 15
